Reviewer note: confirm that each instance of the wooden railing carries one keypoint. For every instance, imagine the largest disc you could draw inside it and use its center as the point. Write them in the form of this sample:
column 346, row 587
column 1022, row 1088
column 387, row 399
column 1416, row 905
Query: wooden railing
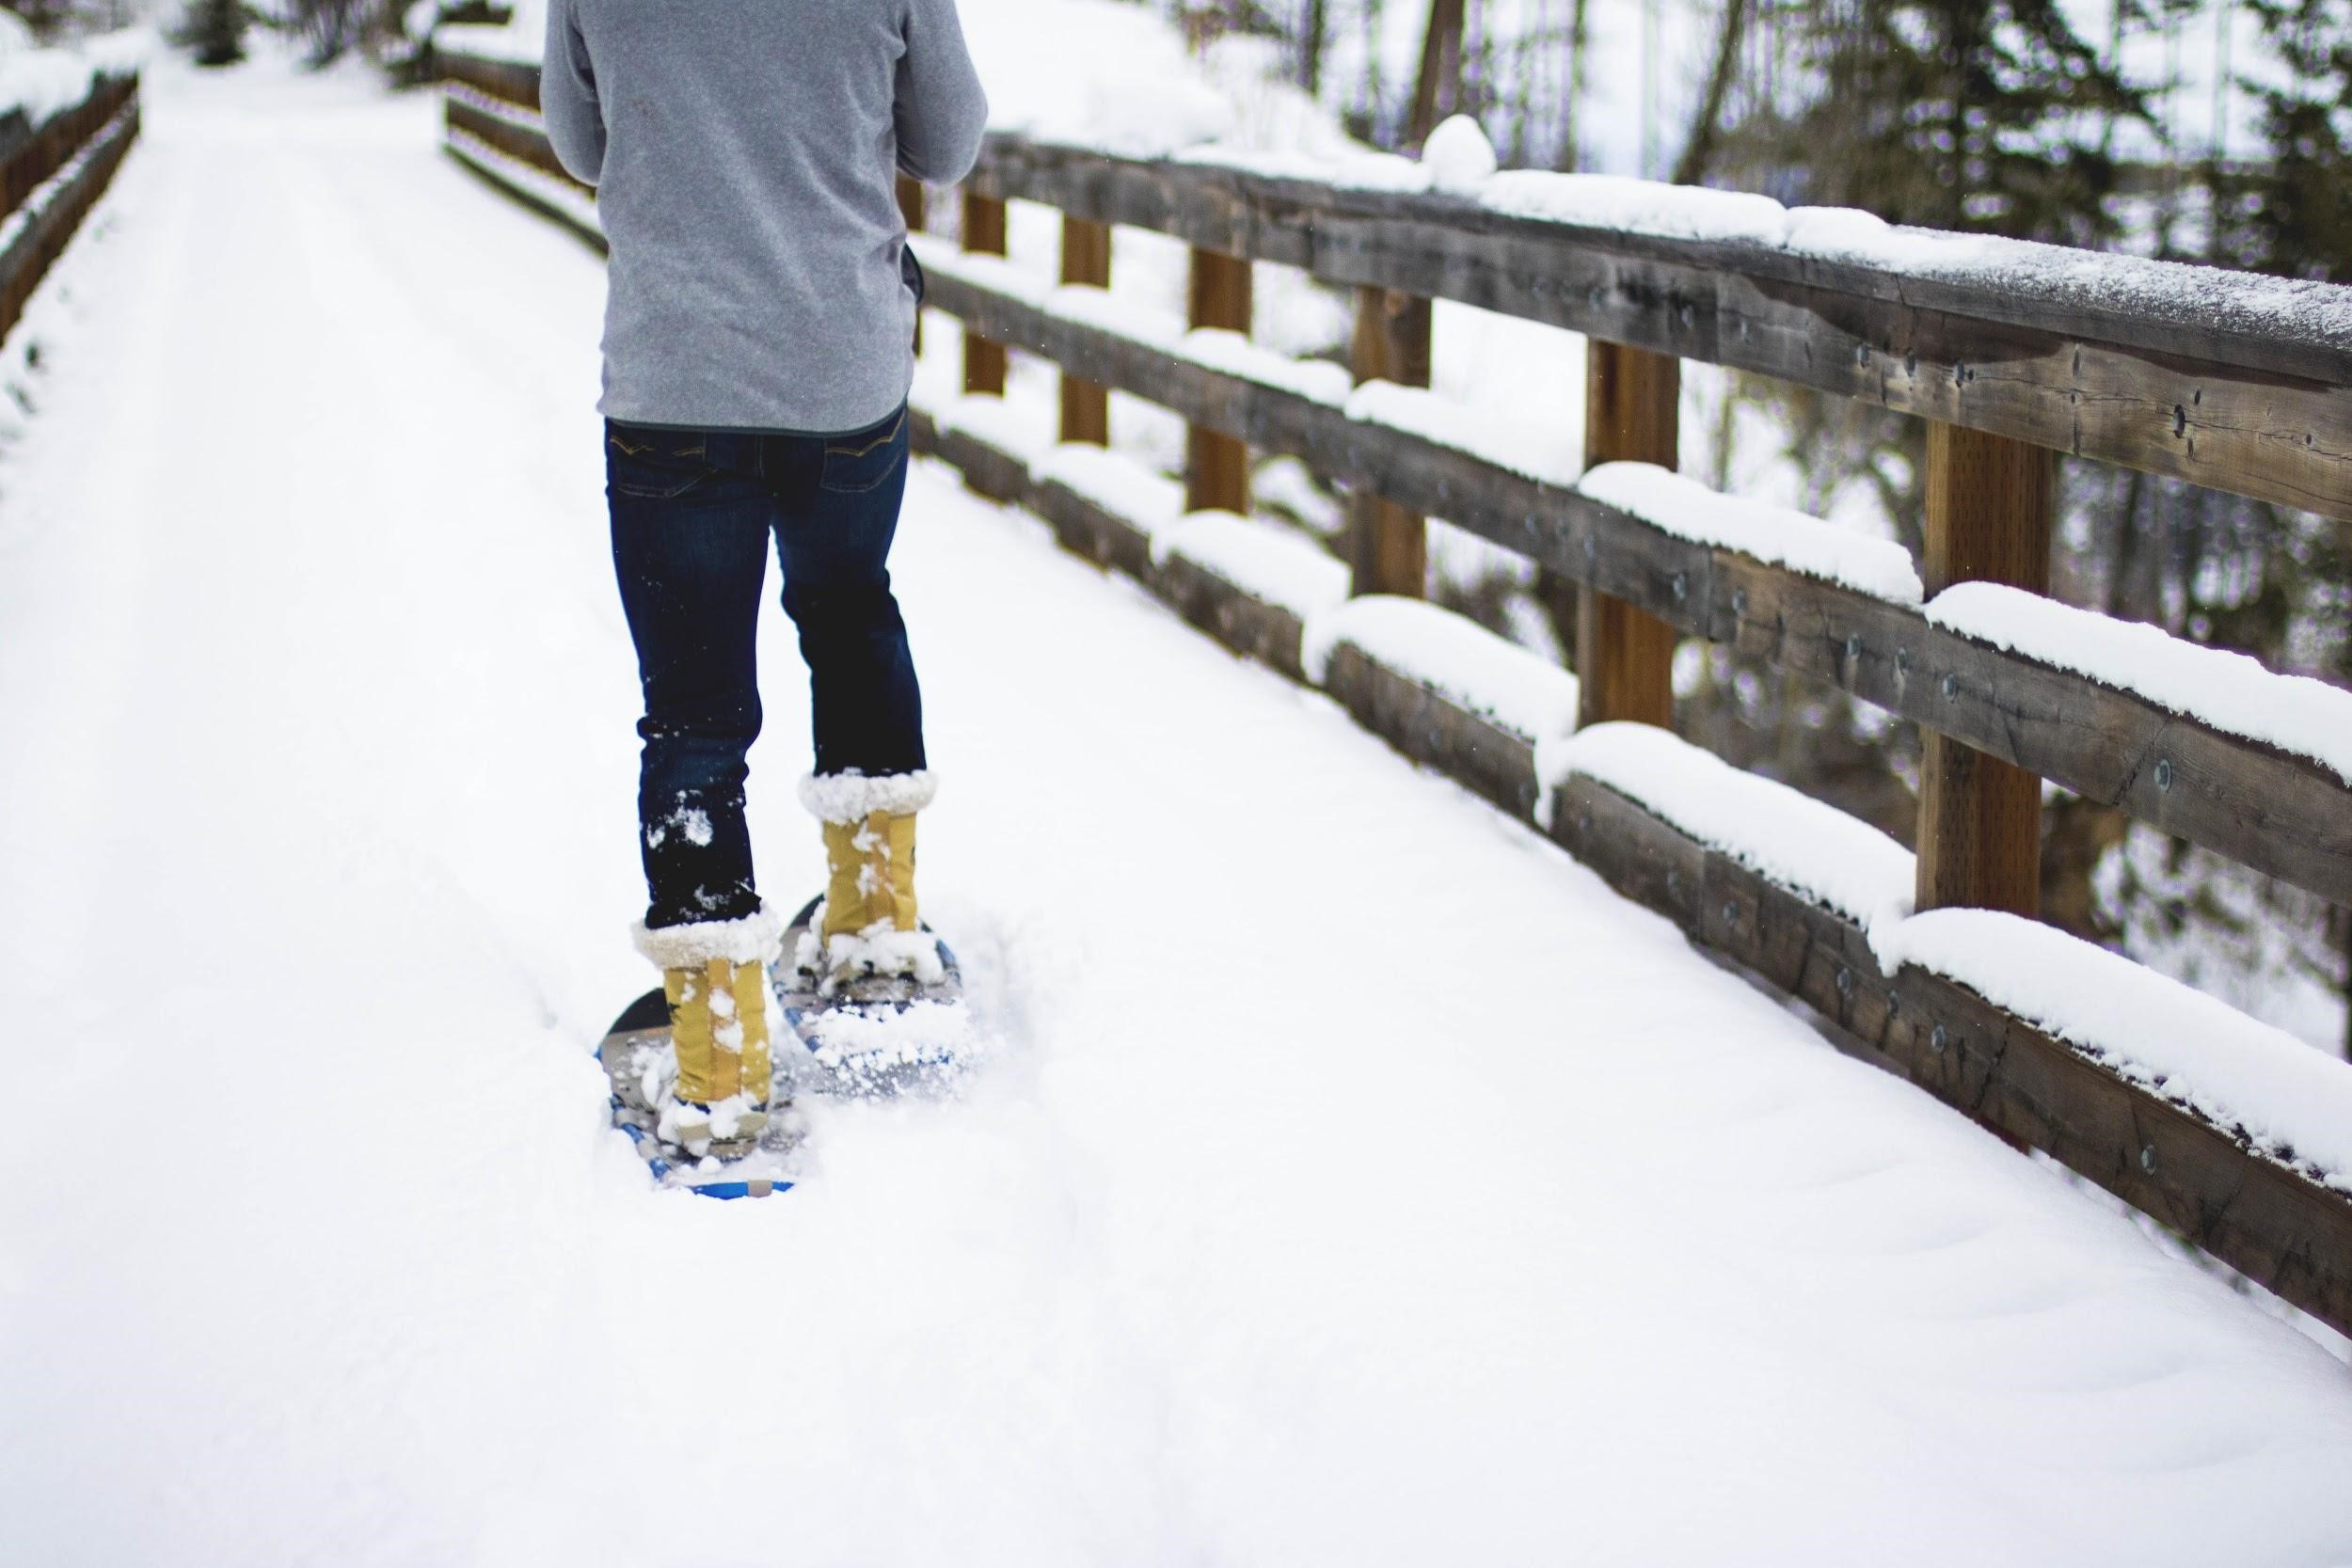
column 2241, row 385
column 51, row 175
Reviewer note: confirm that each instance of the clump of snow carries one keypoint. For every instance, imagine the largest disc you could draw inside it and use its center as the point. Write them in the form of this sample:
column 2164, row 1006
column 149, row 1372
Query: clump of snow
column 1811, row 848
column 2228, row 692
column 1532, row 447
column 998, row 423
column 1637, row 206
column 2292, row 1102
column 1116, row 483
column 1106, row 311
column 1497, row 679
column 982, row 270
column 1267, row 563
column 1458, row 157
column 1689, row 510
column 1235, row 354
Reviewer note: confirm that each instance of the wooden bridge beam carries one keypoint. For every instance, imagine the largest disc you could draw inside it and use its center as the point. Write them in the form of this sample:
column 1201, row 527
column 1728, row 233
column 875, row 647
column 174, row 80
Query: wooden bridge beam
column 1388, row 546
column 1216, row 467
column 983, row 231
column 1085, row 257
column 1980, row 842
column 1625, row 656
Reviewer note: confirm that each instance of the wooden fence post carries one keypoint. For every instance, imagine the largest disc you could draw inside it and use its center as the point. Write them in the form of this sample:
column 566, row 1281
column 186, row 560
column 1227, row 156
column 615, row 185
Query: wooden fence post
column 1216, row 467
column 983, row 231
column 913, row 203
column 1085, row 257
column 1388, row 548
column 1979, row 839
column 1624, row 656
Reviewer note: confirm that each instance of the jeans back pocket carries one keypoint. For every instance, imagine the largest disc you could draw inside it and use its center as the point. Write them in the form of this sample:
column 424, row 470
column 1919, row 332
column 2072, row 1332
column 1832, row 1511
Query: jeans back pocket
column 862, row 460
column 655, row 464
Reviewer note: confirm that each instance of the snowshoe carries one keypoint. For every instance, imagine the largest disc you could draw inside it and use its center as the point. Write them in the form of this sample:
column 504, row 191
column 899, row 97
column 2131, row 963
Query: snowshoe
column 639, row 1066
column 880, row 1032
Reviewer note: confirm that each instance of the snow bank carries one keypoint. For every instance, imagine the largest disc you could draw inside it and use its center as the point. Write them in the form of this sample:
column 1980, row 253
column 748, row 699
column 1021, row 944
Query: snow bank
column 522, row 39
column 1498, row 680
column 2292, row 1102
column 1119, row 485
column 46, row 82
column 1267, row 563
column 1813, row 850
column 2229, row 691
column 1138, row 94
column 1529, row 448
column 1689, row 510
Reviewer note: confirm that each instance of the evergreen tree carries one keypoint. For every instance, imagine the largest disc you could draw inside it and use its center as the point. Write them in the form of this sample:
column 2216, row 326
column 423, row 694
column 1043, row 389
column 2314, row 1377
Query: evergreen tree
column 1972, row 115
column 2292, row 215
column 214, row 31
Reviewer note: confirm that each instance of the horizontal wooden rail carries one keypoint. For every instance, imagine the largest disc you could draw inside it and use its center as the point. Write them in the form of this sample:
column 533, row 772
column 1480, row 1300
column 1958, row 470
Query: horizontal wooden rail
column 2274, row 1223
column 479, row 116
column 2240, row 383
column 513, row 81
column 63, row 168
column 2281, row 813
column 2190, row 376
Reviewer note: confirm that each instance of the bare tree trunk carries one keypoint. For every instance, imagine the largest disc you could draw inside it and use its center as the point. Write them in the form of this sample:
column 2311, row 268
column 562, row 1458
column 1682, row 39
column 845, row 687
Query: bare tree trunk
column 1699, row 151
column 1440, row 82
column 1318, row 25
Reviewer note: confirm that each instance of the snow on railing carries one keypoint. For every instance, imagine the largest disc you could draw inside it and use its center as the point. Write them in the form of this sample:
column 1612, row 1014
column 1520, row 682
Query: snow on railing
column 2190, row 1111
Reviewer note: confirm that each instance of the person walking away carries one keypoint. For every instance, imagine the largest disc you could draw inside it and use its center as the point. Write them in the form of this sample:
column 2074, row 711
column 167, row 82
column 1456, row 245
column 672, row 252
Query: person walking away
column 759, row 347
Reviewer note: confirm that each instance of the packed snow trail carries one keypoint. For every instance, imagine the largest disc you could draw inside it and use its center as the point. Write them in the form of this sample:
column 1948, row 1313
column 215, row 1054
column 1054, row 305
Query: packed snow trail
column 1362, row 1182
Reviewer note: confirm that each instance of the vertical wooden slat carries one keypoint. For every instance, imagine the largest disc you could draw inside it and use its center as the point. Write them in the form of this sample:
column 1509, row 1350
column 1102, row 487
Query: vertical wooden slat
column 1216, row 467
column 1388, row 545
column 914, row 206
column 1624, row 656
column 983, row 231
column 1085, row 257
column 1979, row 818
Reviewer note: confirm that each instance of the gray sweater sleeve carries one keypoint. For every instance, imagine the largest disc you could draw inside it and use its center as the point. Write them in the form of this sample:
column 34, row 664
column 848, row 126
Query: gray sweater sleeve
column 567, row 96
column 941, row 110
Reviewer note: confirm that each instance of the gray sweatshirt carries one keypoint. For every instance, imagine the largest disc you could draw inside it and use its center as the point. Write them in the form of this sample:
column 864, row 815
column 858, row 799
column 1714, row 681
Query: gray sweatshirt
column 743, row 154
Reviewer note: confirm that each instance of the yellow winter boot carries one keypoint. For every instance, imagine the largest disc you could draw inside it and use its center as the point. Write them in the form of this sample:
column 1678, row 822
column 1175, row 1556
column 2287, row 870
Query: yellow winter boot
column 714, row 974
column 869, row 923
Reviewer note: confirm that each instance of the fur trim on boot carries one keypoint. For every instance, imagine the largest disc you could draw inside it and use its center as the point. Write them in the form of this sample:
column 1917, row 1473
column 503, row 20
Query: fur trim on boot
column 855, row 796
column 755, row 938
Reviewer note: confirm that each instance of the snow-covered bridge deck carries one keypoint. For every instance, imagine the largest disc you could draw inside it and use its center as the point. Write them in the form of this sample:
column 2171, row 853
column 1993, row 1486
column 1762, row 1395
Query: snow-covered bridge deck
column 1363, row 1181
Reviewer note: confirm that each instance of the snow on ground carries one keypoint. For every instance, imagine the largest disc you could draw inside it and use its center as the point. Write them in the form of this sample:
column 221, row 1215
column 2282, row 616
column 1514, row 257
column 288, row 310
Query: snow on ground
column 1362, row 1181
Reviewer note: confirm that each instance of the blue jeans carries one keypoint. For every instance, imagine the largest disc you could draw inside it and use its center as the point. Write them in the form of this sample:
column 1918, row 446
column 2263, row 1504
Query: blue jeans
column 693, row 511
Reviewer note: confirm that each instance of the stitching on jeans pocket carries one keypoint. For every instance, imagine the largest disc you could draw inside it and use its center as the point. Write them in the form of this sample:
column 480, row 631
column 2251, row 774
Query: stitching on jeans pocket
column 883, row 440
